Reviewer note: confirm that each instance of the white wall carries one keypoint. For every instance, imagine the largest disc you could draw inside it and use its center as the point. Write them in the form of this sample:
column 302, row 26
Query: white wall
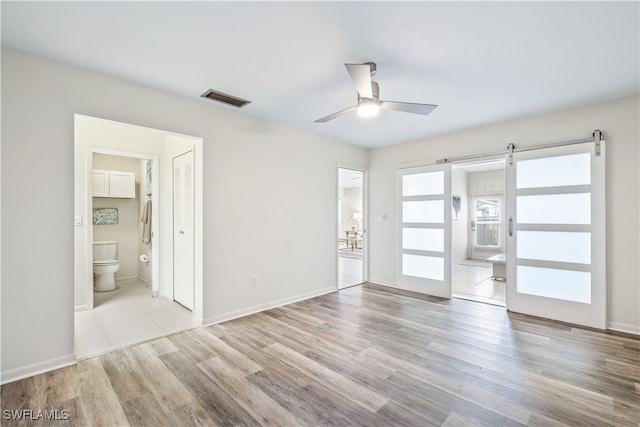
column 460, row 226
column 126, row 231
column 252, row 170
column 619, row 121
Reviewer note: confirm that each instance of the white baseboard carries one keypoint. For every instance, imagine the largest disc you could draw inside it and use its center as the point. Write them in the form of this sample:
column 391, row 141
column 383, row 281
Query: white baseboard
column 143, row 280
column 267, row 306
column 624, row 327
column 382, row 282
column 81, row 307
column 37, row 368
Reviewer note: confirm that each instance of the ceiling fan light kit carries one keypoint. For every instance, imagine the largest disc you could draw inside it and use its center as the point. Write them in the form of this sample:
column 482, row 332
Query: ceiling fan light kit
column 368, row 108
column 369, row 103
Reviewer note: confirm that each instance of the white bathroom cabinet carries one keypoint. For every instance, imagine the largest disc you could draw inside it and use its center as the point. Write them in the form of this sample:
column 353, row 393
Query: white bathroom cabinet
column 114, row 184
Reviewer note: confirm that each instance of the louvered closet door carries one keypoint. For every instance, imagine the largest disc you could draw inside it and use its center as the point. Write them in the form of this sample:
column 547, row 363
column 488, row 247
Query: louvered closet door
column 183, row 230
column 424, row 234
column 556, row 234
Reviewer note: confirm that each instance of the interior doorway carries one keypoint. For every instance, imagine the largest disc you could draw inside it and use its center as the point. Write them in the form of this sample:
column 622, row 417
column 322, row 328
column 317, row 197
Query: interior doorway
column 125, row 310
column 351, row 229
column 478, row 231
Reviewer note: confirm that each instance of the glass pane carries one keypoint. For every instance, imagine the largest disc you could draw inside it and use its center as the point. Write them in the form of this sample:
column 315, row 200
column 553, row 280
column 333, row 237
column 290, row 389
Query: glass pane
column 554, row 246
column 424, row 239
column 429, row 211
column 573, row 208
column 423, row 184
column 423, row 266
column 566, row 285
column 574, row 169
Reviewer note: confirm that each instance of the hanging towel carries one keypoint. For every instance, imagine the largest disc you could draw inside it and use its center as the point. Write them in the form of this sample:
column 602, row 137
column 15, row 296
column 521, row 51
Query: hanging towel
column 145, row 219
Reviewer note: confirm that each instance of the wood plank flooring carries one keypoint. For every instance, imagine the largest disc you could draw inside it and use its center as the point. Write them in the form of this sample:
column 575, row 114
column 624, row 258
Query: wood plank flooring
column 366, row 355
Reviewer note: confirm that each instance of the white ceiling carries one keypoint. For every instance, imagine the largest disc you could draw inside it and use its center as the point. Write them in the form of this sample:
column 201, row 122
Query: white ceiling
column 482, row 62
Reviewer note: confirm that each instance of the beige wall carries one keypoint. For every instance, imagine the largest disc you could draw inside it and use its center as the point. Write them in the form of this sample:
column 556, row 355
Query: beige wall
column 618, row 119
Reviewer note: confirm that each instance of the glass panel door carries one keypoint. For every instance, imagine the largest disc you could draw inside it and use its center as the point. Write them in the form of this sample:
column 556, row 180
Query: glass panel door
column 556, row 234
column 424, row 212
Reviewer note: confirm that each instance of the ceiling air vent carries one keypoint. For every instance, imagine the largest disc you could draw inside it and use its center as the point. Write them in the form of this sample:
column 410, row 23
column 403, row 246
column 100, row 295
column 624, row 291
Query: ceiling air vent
column 224, row 98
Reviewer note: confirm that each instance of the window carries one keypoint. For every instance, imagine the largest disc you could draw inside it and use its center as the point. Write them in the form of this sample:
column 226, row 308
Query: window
column 488, row 219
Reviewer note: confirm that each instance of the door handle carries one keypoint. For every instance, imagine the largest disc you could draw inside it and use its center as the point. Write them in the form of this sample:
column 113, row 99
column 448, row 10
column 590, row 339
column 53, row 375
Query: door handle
column 510, row 227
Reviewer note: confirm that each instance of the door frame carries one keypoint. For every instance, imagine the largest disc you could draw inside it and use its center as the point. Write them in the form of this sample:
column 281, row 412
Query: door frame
column 155, row 217
column 365, row 220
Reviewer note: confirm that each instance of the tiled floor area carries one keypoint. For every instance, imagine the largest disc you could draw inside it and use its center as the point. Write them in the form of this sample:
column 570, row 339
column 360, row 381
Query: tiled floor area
column 474, row 283
column 127, row 316
column 349, row 272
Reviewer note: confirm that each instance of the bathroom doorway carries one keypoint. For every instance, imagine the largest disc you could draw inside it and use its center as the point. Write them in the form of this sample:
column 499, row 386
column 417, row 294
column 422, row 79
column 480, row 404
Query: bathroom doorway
column 139, row 306
column 123, row 218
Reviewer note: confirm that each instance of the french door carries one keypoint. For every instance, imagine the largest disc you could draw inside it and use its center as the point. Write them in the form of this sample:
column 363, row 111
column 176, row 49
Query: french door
column 424, row 212
column 556, row 233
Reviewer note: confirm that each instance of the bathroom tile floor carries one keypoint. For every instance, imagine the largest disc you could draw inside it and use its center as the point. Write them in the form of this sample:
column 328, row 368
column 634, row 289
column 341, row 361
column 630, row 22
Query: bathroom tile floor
column 349, row 272
column 127, row 316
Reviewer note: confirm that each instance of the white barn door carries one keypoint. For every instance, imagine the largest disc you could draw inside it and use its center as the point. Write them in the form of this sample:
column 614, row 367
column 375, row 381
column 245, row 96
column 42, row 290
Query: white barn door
column 424, row 234
column 556, row 233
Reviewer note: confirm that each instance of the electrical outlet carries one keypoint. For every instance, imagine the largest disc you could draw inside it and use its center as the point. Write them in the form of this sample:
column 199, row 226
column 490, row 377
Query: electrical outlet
column 254, row 281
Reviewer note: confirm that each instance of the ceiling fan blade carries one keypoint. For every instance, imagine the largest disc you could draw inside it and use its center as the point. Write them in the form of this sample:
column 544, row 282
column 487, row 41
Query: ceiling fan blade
column 361, row 76
column 334, row 115
column 408, row 107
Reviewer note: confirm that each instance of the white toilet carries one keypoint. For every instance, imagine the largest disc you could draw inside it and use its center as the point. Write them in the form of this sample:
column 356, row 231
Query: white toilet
column 105, row 265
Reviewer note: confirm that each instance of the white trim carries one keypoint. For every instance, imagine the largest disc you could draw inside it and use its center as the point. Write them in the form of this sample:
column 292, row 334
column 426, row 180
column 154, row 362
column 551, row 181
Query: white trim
column 37, row 368
column 81, row 307
column 143, row 280
column 381, row 282
column 624, row 327
column 267, row 306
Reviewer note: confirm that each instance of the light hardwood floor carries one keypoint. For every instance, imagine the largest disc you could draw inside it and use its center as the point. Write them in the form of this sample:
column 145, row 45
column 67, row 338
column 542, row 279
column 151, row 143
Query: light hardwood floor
column 365, row 355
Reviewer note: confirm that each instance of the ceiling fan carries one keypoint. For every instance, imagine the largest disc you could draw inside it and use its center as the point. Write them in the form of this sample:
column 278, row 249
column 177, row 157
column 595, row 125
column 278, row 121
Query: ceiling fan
column 369, row 103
